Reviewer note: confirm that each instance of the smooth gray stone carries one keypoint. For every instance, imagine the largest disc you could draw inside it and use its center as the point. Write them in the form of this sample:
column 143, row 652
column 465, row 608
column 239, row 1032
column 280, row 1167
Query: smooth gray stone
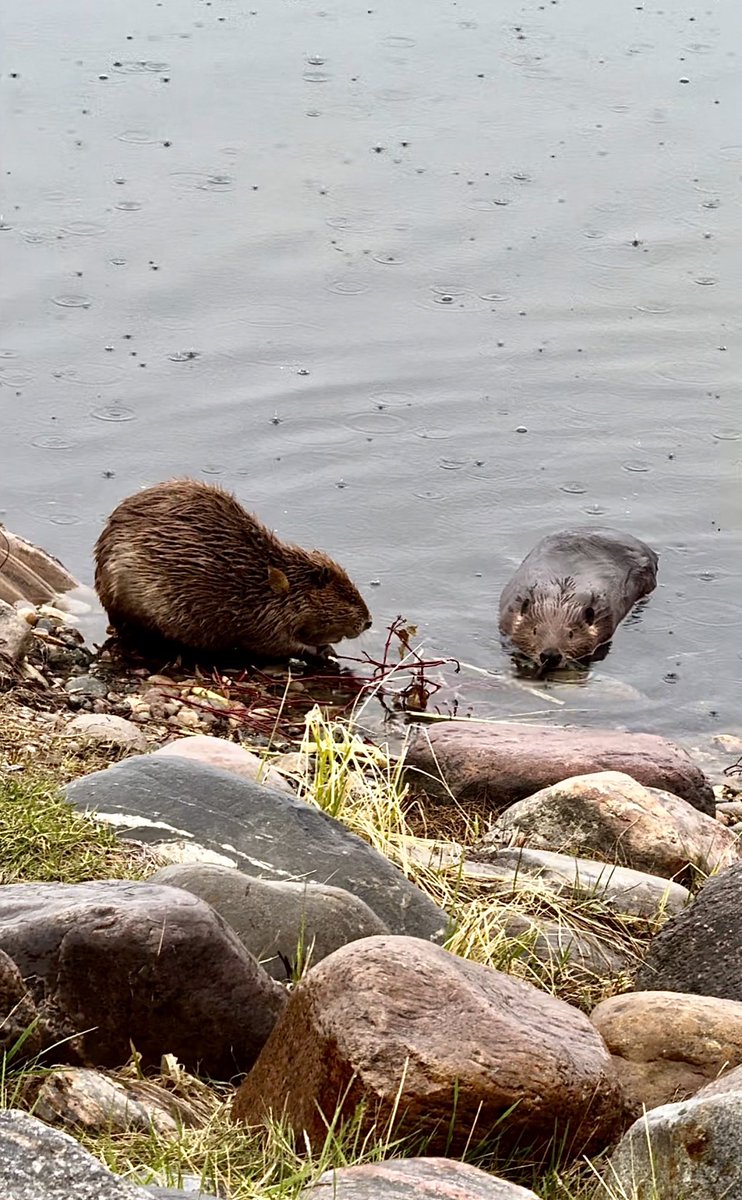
column 39, row 1163
column 266, row 832
column 277, row 921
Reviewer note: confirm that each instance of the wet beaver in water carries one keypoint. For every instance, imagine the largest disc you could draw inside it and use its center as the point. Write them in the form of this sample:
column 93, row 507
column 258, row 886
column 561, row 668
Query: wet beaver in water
column 570, row 593
column 183, row 561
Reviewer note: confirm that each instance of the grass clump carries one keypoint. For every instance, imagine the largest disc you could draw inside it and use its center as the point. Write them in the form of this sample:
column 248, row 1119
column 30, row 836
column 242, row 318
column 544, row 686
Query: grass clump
column 45, row 840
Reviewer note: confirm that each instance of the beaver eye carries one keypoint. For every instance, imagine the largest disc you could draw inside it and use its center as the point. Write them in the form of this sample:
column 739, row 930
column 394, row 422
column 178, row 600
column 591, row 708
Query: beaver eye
column 589, row 614
column 321, row 577
column 526, row 604
column 571, row 633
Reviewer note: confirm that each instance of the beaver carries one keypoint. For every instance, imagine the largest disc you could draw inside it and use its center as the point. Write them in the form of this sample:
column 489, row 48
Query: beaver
column 570, row 593
column 184, row 562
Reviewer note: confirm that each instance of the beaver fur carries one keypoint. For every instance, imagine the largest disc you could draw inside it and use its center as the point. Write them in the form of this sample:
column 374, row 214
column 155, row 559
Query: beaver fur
column 570, row 593
column 185, row 562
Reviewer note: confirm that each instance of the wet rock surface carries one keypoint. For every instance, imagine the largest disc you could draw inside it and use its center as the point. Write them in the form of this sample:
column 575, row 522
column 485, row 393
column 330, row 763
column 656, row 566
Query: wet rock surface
column 373, row 1023
column 111, row 964
column 282, row 923
column 266, row 832
column 499, row 764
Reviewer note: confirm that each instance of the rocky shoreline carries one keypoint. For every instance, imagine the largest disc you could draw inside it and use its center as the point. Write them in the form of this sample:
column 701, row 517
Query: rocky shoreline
column 513, row 944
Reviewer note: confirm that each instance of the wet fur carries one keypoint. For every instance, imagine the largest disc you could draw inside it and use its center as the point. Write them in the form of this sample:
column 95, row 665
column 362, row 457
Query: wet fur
column 570, row 593
column 184, row 562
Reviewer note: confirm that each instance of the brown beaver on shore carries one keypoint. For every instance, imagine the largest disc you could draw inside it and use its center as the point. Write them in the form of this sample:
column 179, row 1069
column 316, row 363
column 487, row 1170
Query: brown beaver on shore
column 185, row 562
column 570, row 593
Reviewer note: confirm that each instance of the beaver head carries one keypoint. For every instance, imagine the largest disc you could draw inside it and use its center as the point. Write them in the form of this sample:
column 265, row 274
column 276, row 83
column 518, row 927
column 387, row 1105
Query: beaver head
column 556, row 624
column 324, row 604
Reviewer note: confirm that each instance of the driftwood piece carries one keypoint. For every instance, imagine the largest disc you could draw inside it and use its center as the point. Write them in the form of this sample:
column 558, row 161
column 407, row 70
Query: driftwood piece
column 29, row 573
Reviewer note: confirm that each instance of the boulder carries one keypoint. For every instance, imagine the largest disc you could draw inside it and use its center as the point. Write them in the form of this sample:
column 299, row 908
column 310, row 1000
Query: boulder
column 685, row 1151
column 113, row 963
column 700, row 949
column 667, row 1045
column 265, row 832
column 497, row 763
column 611, row 816
column 108, row 730
column 408, row 1178
column 730, row 1081
column 434, row 1047
column 39, row 1163
column 228, row 756
column 282, row 924
column 619, row 888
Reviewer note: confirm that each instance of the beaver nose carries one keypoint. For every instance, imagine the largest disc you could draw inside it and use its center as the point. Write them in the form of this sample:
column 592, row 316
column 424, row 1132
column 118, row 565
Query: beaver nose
column 368, row 624
column 550, row 658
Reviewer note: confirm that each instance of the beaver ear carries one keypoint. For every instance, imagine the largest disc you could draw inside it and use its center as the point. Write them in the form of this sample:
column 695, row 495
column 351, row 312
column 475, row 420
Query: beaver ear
column 524, row 606
column 277, row 581
column 321, row 576
column 589, row 614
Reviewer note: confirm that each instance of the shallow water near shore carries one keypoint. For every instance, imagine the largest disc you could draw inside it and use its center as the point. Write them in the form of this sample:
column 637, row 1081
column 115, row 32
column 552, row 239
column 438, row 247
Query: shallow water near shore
column 421, row 284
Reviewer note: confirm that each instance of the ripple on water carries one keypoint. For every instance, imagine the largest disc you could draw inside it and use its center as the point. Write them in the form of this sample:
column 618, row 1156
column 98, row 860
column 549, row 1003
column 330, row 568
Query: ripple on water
column 89, row 374
column 83, row 228
column 706, row 610
column 391, row 399
column 52, row 441
column 348, row 286
column 57, row 512
column 14, row 377
column 376, row 422
column 202, row 181
column 138, row 137
column 72, row 300
column 113, row 412
column 140, row 66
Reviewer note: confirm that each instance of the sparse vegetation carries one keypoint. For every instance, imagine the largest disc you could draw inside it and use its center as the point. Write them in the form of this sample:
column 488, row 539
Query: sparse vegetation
column 43, row 838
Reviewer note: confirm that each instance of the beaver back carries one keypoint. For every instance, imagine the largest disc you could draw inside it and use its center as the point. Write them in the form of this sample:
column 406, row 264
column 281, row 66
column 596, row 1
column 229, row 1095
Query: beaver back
column 185, row 561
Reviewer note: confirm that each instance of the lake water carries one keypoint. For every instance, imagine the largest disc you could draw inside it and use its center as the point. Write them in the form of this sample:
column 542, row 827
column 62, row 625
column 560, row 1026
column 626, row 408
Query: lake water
column 419, row 282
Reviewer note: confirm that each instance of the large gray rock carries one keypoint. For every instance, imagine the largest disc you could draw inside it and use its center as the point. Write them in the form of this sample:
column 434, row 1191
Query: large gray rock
column 409, row 1178
column 700, row 949
column 265, row 832
column 113, row 963
column 499, row 763
column 619, row 888
column 39, row 1163
column 283, row 924
column 685, row 1151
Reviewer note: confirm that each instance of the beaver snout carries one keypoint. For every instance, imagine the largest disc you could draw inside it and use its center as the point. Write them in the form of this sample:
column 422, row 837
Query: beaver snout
column 550, row 660
column 368, row 624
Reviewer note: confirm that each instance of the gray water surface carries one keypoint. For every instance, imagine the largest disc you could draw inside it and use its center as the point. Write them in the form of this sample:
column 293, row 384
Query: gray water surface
column 421, row 282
